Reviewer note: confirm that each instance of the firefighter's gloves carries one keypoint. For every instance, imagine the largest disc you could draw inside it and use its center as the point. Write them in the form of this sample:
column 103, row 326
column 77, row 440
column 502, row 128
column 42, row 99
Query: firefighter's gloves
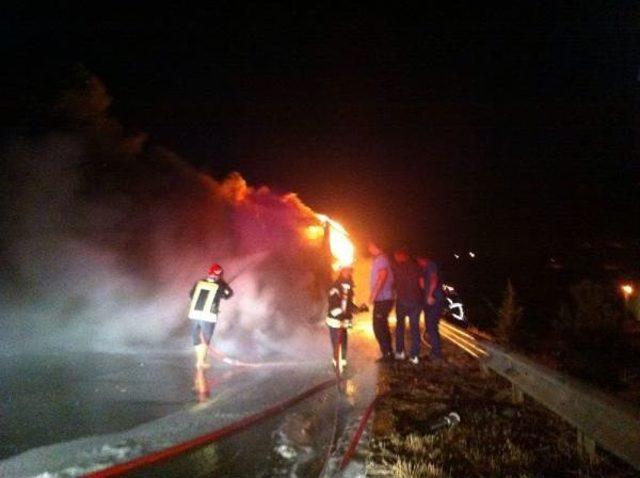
column 363, row 308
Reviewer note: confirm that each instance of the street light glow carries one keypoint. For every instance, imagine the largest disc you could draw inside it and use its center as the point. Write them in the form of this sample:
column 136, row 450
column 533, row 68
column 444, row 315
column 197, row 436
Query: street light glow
column 627, row 290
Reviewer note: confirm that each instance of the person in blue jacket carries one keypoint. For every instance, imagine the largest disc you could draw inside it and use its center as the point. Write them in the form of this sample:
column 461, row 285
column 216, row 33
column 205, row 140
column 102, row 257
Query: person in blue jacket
column 433, row 301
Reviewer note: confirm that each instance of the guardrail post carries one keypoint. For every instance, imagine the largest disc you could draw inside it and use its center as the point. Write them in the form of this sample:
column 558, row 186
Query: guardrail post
column 611, row 423
column 586, row 448
column 517, row 395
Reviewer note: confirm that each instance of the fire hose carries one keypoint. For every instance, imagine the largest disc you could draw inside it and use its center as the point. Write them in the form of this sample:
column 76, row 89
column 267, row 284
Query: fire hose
column 200, row 441
column 358, row 434
column 355, row 440
column 235, row 427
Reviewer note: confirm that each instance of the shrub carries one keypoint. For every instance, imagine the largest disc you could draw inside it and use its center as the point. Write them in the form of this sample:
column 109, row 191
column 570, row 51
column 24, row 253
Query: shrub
column 593, row 343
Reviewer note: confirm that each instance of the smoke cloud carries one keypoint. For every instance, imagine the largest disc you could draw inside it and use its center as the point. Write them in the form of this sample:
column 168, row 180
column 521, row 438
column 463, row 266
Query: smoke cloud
column 104, row 235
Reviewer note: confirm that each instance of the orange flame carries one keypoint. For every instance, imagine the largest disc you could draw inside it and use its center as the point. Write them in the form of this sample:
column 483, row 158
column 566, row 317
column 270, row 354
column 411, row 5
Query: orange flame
column 342, row 249
column 314, row 232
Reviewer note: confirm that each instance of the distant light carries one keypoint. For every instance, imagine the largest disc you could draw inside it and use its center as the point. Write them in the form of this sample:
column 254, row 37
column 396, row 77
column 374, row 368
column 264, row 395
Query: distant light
column 457, row 256
column 627, row 290
column 472, row 254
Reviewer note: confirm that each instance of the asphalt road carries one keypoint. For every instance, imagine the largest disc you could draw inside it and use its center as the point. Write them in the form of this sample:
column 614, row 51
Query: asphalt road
column 67, row 414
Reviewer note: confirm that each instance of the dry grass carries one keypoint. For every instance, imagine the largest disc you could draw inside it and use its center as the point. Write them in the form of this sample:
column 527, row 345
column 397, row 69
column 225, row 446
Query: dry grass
column 417, row 469
column 416, row 444
column 494, row 439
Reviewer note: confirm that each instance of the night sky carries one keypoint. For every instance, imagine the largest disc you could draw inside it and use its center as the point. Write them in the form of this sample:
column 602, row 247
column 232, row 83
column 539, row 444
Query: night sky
column 473, row 125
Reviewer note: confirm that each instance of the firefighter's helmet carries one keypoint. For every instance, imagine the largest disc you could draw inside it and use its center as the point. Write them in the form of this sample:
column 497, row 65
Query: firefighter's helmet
column 215, row 270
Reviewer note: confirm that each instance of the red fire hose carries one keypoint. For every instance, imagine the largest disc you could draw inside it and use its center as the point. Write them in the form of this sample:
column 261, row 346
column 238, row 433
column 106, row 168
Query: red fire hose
column 181, row 448
column 358, row 434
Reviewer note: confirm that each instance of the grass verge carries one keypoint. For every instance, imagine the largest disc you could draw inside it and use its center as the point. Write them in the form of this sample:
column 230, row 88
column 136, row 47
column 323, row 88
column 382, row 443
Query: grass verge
column 495, row 438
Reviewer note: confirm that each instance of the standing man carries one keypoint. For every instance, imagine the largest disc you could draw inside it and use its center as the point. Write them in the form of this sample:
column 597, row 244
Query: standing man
column 409, row 300
column 203, row 311
column 433, row 299
column 382, row 299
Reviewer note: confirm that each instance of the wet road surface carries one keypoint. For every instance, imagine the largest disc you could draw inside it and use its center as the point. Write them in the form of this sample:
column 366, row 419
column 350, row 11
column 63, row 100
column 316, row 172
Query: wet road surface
column 68, row 414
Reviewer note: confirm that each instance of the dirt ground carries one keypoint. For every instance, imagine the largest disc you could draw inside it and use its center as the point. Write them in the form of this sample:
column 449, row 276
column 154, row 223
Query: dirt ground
column 495, row 437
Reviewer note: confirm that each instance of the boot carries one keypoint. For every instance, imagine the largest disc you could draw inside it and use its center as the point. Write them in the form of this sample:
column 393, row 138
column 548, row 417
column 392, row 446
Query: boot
column 343, row 363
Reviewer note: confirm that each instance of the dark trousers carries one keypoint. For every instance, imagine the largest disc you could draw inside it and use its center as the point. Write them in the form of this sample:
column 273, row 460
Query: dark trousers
column 202, row 330
column 432, row 318
column 413, row 312
column 334, row 333
column 381, row 311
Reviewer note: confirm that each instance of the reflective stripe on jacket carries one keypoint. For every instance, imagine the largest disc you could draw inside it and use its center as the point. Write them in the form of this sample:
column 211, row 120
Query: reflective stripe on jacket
column 339, row 324
column 205, row 299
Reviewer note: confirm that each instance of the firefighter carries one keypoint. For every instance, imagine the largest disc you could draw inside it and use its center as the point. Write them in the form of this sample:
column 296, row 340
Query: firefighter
column 203, row 311
column 340, row 316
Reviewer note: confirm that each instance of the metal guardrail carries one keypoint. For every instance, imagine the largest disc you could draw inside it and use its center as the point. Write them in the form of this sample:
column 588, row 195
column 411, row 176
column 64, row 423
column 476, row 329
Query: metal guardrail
column 598, row 418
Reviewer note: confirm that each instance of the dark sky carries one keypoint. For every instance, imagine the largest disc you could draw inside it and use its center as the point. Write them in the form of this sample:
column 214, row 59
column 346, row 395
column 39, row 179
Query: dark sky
column 461, row 125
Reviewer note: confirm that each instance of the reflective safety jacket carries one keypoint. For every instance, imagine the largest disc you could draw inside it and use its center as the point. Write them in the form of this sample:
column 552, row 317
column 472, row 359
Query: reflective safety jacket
column 205, row 299
column 341, row 306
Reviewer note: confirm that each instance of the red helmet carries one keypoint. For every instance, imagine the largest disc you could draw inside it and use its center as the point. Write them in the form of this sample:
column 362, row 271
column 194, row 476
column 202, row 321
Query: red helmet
column 215, row 270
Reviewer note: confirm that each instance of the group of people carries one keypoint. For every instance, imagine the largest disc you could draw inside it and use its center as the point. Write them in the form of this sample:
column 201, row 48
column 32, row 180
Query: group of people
column 415, row 287
column 412, row 285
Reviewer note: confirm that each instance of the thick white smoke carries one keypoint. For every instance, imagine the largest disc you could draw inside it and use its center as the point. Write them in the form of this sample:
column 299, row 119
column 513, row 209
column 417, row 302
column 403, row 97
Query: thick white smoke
column 105, row 237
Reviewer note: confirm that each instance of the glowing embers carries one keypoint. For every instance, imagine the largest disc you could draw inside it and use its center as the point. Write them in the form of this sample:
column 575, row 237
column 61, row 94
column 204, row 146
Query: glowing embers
column 342, row 249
